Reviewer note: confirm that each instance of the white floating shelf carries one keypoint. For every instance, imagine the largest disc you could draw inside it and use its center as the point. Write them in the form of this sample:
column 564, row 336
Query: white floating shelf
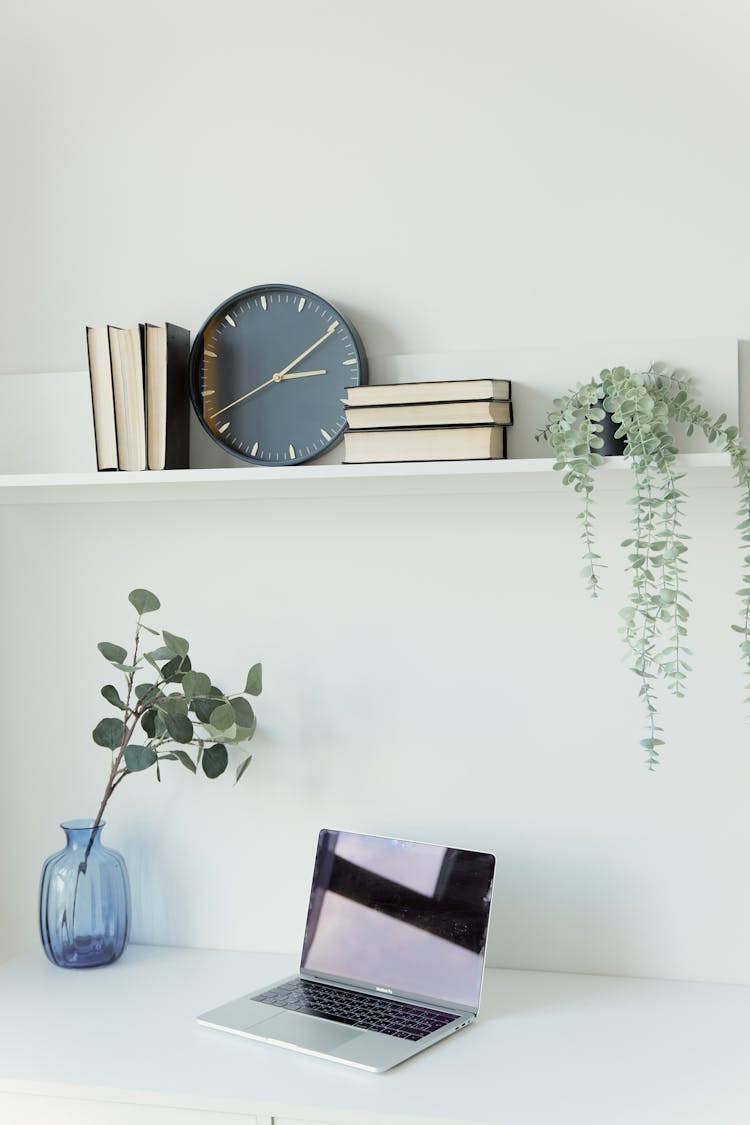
column 705, row 470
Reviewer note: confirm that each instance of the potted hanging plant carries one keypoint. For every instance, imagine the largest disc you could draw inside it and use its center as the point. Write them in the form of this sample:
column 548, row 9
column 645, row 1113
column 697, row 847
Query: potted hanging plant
column 175, row 715
column 640, row 406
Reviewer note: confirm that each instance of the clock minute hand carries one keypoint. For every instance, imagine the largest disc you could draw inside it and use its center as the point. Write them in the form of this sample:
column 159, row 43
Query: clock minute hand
column 326, row 334
column 273, row 379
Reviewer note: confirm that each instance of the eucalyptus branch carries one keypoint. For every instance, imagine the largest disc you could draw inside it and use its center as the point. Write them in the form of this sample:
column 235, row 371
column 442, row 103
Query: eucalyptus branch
column 170, row 718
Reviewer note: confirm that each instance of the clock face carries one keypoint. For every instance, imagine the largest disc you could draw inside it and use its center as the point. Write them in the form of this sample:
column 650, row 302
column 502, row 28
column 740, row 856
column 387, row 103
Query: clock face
column 269, row 373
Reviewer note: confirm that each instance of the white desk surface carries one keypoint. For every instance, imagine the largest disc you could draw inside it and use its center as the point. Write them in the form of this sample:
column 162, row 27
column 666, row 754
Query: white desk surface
column 548, row 1048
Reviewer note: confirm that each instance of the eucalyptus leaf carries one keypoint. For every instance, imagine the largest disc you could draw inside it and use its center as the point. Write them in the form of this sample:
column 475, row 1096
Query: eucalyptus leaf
column 116, row 654
column 180, row 728
column 195, row 683
column 244, row 715
column 148, row 722
column 186, row 760
column 178, row 645
column 204, row 708
column 214, row 760
column 242, row 767
column 109, row 733
column 222, row 717
column 254, row 682
column 111, row 694
column 175, row 669
column 144, row 601
column 139, row 758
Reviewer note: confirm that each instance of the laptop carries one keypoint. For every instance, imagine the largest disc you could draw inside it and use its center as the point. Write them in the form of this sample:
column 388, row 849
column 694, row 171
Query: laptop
column 392, row 959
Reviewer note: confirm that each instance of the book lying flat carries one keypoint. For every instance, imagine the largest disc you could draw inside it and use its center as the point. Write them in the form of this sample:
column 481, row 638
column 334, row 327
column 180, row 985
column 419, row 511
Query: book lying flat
column 102, row 397
column 127, row 382
column 459, row 443
column 456, row 390
column 485, row 412
column 166, row 349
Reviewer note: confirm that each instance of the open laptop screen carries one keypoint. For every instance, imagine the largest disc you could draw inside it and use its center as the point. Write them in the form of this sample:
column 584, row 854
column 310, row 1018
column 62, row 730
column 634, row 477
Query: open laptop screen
column 399, row 916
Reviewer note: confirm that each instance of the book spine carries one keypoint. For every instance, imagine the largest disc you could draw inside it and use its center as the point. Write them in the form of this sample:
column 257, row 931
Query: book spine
column 102, row 404
column 178, row 400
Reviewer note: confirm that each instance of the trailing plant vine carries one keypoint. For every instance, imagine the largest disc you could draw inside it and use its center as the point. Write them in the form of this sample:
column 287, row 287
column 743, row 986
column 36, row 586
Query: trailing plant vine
column 655, row 617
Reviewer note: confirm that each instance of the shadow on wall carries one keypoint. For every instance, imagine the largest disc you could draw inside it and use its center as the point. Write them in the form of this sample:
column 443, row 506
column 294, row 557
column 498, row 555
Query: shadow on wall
column 584, row 905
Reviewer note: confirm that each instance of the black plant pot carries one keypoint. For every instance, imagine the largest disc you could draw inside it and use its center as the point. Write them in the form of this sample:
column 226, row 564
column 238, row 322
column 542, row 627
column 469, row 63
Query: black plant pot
column 613, row 446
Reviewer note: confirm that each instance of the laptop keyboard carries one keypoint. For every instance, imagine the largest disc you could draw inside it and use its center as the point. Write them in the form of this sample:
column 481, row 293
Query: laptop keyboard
column 390, row 1017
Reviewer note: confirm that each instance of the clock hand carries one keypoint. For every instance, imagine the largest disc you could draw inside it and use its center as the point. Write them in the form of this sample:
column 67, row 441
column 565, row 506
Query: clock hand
column 279, row 377
column 273, row 379
column 326, row 334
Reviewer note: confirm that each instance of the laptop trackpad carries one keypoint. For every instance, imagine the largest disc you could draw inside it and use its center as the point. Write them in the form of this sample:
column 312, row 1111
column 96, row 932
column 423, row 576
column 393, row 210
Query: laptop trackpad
column 305, row 1031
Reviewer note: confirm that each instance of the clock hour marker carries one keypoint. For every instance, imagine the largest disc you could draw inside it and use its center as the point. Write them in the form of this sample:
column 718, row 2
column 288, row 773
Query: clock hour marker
column 302, row 303
column 210, row 392
column 292, row 452
column 211, row 355
column 264, row 302
column 349, row 362
column 325, row 434
column 229, row 321
column 224, row 427
column 254, row 450
column 334, row 326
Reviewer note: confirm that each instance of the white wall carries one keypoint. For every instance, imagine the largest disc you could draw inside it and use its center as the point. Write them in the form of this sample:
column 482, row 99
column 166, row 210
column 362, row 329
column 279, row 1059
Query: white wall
column 456, row 178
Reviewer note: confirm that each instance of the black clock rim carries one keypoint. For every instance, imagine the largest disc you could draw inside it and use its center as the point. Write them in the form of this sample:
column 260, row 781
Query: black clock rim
column 196, row 359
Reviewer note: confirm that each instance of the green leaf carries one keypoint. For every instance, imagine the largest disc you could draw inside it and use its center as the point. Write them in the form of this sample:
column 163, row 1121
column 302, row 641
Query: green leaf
column 222, row 717
column 204, row 708
column 110, row 693
column 109, row 733
column 186, row 760
column 242, row 767
column 254, row 682
column 180, row 728
column 218, row 735
column 144, row 691
column 148, row 722
column 161, row 653
column 195, row 683
column 144, row 601
column 173, row 705
column 174, row 670
column 178, row 645
column 116, row 654
column 215, row 759
column 139, row 758
column 243, row 713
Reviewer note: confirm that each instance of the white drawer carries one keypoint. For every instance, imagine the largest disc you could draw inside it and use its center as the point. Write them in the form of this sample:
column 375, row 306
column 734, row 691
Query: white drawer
column 33, row 1109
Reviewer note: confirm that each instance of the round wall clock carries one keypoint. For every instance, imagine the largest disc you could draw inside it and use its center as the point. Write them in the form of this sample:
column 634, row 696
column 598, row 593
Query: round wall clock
column 269, row 372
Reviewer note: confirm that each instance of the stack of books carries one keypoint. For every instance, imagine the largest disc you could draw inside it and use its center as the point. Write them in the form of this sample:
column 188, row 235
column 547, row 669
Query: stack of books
column 139, row 396
column 462, row 420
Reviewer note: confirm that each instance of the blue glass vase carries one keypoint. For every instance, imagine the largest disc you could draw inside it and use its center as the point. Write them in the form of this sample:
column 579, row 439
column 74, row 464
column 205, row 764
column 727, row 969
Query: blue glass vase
column 84, row 900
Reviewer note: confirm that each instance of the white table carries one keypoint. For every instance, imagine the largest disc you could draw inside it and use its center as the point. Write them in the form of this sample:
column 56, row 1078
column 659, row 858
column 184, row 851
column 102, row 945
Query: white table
column 120, row 1046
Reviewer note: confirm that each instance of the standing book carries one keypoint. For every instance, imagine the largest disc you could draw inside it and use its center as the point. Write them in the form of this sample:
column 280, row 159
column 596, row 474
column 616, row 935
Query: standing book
column 166, row 350
column 102, row 397
column 127, row 383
